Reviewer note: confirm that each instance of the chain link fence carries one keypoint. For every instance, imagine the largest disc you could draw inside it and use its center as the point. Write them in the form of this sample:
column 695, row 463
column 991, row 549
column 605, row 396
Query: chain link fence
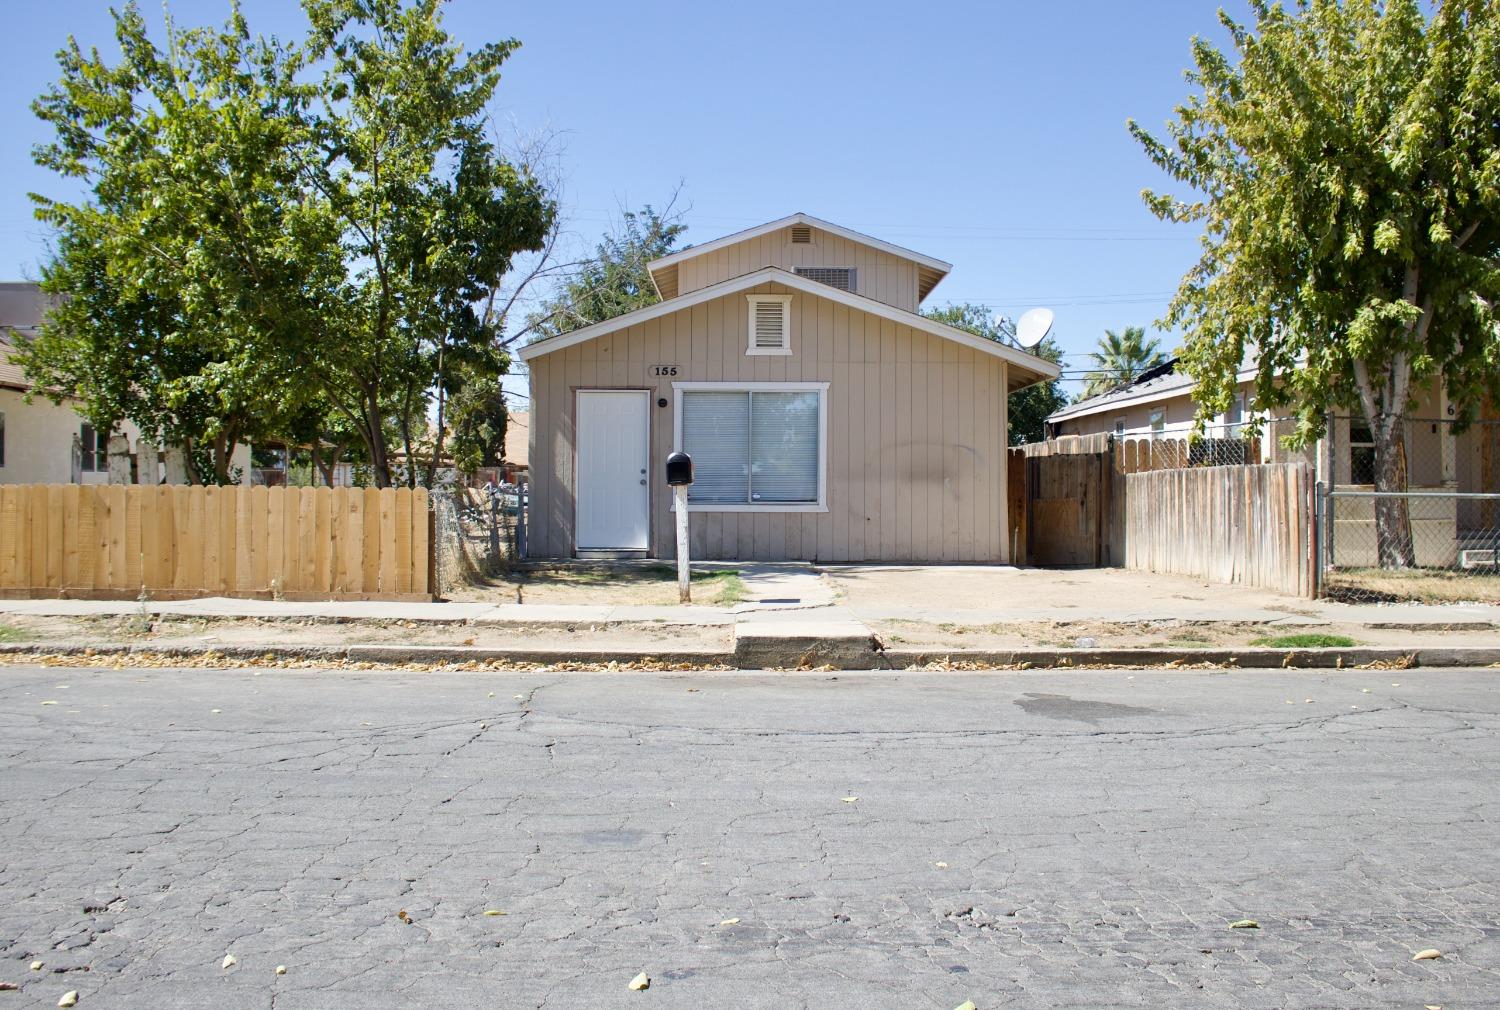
column 1437, row 541
column 477, row 533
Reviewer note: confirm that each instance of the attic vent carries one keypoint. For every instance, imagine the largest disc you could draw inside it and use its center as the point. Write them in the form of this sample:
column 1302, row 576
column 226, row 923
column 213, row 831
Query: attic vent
column 835, row 277
column 801, row 234
column 770, row 324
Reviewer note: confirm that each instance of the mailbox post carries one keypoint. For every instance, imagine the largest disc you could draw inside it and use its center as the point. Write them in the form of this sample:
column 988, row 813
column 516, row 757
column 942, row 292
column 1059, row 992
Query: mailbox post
column 679, row 478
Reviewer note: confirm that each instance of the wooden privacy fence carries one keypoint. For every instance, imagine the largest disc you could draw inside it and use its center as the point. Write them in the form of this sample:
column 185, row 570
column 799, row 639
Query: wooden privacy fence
column 1247, row 525
column 176, row 542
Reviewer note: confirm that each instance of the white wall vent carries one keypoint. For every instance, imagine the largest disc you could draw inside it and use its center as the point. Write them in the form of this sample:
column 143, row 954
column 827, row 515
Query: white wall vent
column 770, row 324
column 801, row 234
column 842, row 278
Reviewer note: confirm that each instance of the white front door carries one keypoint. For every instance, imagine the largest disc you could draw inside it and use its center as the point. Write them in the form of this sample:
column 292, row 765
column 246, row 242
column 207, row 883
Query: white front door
column 613, row 498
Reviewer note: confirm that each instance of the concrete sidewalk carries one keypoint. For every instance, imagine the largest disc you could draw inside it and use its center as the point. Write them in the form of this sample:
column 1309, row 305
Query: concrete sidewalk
column 810, row 607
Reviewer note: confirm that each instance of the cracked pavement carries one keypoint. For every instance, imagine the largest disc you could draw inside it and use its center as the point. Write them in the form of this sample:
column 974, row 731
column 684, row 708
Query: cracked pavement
column 1046, row 839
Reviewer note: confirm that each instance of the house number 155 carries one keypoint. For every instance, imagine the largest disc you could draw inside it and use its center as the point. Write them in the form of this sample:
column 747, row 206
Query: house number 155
column 664, row 370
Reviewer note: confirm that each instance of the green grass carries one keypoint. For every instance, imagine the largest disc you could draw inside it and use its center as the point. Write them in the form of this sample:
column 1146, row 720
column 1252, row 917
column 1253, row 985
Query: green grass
column 11, row 634
column 731, row 587
column 1311, row 640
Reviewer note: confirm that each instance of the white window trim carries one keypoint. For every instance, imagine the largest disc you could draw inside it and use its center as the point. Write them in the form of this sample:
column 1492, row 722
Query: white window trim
column 821, row 388
column 786, row 324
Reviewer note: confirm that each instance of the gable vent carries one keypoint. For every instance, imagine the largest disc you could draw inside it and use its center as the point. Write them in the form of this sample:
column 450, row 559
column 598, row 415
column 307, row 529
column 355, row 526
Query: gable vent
column 801, row 234
column 835, row 277
column 770, row 324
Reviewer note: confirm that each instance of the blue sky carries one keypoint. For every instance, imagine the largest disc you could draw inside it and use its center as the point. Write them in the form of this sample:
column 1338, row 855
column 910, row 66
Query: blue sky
column 991, row 135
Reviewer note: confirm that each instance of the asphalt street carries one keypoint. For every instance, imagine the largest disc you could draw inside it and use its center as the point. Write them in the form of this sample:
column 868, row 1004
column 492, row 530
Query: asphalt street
column 1038, row 839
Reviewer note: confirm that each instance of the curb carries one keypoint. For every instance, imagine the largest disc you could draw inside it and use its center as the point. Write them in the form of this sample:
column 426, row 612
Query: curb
column 797, row 656
column 1247, row 658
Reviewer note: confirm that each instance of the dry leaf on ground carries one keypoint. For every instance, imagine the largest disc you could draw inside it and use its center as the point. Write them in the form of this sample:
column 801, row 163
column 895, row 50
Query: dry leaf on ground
column 1427, row 955
column 729, row 922
column 281, row 969
column 69, row 998
column 36, row 966
column 851, row 799
column 493, row 911
column 229, row 961
column 1245, row 924
column 641, row 981
column 967, row 1004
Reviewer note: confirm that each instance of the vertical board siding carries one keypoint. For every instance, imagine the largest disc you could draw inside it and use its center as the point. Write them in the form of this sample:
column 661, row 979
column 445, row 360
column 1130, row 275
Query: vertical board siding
column 1244, row 525
column 880, row 275
column 122, row 540
column 915, row 459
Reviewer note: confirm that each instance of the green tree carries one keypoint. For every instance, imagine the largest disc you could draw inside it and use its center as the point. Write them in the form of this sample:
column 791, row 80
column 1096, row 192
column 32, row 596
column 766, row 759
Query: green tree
column 1028, row 409
column 162, row 275
column 615, row 280
column 1121, row 358
column 270, row 223
column 431, row 215
column 1345, row 168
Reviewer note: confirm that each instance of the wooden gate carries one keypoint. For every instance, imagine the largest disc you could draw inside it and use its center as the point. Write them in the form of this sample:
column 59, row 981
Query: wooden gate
column 1067, row 509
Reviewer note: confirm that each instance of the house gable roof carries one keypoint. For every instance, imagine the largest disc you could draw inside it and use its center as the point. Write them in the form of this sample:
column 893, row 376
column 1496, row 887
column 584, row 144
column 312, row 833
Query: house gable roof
column 930, row 269
column 1164, row 382
column 1028, row 367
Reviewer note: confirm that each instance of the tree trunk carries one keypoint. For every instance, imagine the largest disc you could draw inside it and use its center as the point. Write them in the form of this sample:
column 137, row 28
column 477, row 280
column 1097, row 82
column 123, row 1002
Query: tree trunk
column 374, row 434
column 1393, row 537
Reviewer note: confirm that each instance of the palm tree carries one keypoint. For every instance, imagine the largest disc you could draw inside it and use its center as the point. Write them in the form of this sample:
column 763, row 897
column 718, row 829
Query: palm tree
column 1121, row 358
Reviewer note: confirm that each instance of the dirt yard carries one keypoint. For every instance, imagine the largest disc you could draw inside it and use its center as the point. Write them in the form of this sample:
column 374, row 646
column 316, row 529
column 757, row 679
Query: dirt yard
column 986, row 587
column 901, row 634
column 163, row 631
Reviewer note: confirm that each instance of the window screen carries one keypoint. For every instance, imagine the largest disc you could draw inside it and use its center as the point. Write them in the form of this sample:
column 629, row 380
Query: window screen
column 752, row 448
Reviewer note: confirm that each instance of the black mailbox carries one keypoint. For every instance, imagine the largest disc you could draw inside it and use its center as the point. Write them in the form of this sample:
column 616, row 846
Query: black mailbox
column 679, row 469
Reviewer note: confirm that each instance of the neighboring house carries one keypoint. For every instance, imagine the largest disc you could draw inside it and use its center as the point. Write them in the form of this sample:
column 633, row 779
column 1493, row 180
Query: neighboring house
column 41, row 442
column 1160, row 404
column 1157, row 402
column 827, row 419
column 517, row 444
column 46, row 443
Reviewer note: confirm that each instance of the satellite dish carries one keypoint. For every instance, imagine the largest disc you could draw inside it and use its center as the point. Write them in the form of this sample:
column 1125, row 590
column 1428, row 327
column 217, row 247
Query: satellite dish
column 1032, row 328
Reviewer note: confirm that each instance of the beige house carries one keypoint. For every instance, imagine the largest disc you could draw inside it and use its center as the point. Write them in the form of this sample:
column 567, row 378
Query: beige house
column 1160, row 404
column 42, row 442
column 46, row 443
column 826, row 417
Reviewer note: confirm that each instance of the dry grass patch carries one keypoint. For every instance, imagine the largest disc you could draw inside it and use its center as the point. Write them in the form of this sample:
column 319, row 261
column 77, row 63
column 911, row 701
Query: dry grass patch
column 1378, row 585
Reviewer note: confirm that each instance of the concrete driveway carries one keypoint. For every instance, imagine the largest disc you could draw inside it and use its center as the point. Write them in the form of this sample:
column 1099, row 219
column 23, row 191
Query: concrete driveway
column 832, row 841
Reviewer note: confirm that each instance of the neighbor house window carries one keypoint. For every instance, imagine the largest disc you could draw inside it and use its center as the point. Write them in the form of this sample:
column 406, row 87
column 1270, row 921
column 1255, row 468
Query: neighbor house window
column 1361, row 453
column 1119, row 426
column 1234, row 417
column 95, row 449
column 842, row 278
column 755, row 446
column 1158, row 422
column 770, row 324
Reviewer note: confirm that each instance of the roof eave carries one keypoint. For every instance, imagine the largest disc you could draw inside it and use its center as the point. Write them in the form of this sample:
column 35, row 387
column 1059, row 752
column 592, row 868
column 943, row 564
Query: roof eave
column 921, row 259
column 1030, row 363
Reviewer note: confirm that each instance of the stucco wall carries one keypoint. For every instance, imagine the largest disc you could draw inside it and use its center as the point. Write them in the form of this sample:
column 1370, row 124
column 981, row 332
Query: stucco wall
column 39, row 441
column 916, row 434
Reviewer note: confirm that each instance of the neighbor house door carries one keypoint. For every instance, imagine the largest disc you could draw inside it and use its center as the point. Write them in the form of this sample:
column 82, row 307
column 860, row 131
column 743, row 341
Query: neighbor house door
column 613, row 498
